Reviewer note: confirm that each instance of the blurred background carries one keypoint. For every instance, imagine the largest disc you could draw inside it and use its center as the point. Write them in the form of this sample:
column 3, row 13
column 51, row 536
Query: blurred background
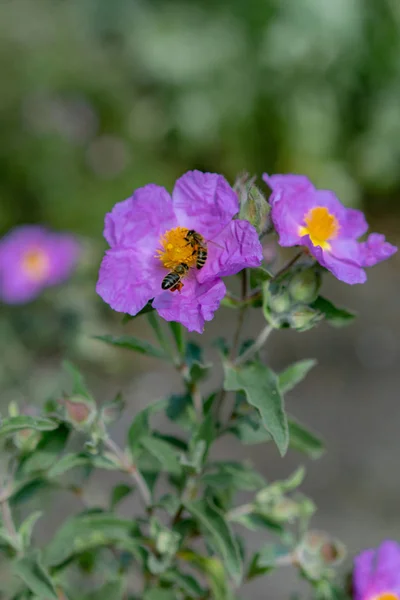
column 100, row 97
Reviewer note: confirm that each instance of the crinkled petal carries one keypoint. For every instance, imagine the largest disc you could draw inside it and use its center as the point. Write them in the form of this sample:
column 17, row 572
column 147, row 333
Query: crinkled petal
column 128, row 279
column 234, row 249
column 194, row 305
column 290, row 184
column 342, row 260
column 377, row 571
column 353, row 223
column 148, row 213
column 375, row 249
column 204, row 202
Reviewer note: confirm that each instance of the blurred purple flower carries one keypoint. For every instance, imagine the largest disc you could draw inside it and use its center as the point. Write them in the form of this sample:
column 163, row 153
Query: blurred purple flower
column 305, row 216
column 376, row 574
column 147, row 237
column 33, row 258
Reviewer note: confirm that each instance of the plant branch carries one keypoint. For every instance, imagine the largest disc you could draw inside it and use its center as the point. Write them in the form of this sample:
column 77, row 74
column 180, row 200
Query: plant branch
column 254, row 348
column 132, row 471
column 8, row 520
column 287, row 266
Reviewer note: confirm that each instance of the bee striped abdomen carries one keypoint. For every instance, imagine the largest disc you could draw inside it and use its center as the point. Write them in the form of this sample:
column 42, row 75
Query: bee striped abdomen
column 201, row 257
column 170, row 280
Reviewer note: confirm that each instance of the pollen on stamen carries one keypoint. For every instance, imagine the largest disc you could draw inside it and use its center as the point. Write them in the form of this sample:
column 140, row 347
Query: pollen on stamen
column 321, row 226
column 175, row 249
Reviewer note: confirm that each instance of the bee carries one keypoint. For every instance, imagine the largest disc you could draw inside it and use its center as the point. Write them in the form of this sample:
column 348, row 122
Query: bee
column 199, row 247
column 172, row 281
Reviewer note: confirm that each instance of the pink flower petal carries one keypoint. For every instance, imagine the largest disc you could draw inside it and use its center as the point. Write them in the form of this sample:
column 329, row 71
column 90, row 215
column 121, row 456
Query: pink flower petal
column 342, row 261
column 204, row 202
column 377, row 571
column 128, row 280
column 375, row 249
column 194, row 305
column 235, row 248
column 148, row 212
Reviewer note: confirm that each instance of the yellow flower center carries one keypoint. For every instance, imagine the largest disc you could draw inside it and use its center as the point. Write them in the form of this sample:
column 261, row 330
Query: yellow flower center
column 175, row 248
column 386, row 596
column 36, row 264
column 321, row 226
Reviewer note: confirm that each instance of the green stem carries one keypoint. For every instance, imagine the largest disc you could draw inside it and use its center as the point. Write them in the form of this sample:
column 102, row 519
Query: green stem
column 162, row 338
column 8, row 522
column 132, row 470
column 254, row 348
column 288, row 265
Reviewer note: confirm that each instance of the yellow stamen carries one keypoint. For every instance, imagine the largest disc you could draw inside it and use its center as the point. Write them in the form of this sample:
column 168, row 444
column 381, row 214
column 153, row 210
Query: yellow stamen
column 321, row 226
column 175, row 248
column 386, row 596
column 36, row 264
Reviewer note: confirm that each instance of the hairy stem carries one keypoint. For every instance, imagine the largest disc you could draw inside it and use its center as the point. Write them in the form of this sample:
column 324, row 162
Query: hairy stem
column 8, row 520
column 132, row 470
column 254, row 348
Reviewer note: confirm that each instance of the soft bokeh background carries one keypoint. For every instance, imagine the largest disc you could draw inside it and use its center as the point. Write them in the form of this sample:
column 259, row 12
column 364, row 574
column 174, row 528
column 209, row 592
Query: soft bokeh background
column 100, row 97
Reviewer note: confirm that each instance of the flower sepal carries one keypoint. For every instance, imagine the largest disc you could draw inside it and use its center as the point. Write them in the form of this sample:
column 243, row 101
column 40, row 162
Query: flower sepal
column 254, row 208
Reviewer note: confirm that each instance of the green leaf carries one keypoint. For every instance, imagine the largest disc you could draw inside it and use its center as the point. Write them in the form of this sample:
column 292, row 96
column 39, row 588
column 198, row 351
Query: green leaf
column 219, row 534
column 132, row 343
column 194, row 360
column 250, row 430
column 88, row 531
column 305, row 441
column 179, row 336
column 294, row 374
column 112, row 589
column 337, row 317
column 8, row 540
column 78, row 382
column 186, row 582
column 72, row 461
column 233, row 474
column 260, row 385
column 139, row 429
column 35, row 577
column 267, row 558
column 120, row 492
column 46, row 453
column 180, row 409
column 159, row 594
column 163, row 452
column 214, row 571
column 13, row 424
column 26, row 528
column 25, row 490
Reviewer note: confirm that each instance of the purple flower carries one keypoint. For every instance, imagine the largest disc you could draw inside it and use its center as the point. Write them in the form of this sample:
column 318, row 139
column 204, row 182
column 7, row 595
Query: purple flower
column 376, row 574
column 148, row 238
column 33, row 258
column 305, row 216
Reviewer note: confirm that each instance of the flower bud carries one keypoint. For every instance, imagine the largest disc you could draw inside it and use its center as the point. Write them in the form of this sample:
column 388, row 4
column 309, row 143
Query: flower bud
column 27, row 439
column 317, row 552
column 304, row 285
column 280, row 303
column 80, row 411
column 253, row 206
column 304, row 318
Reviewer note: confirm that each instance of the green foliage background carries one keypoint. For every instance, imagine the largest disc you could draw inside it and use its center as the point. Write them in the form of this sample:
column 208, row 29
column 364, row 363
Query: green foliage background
column 99, row 97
